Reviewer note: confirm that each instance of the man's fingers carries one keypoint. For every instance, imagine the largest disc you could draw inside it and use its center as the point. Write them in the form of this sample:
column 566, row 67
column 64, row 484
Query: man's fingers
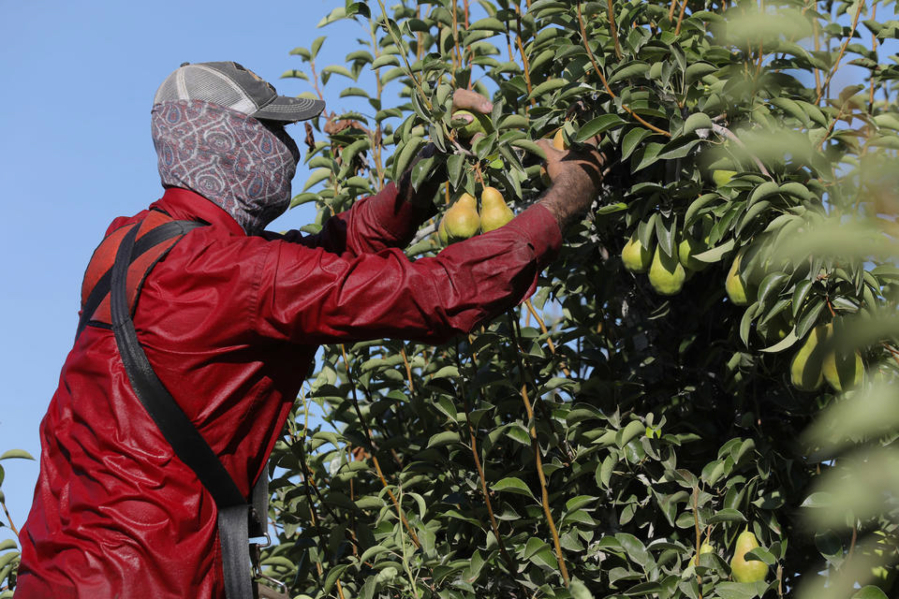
column 466, row 99
column 552, row 153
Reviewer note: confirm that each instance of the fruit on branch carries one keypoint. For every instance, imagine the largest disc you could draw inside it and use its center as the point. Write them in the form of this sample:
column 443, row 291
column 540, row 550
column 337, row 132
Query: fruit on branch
column 722, row 177
column 559, row 142
column 706, row 547
column 441, row 232
column 666, row 273
column 742, row 569
column 494, row 211
column 806, row 367
column 468, row 130
column 461, row 219
column 843, row 370
column 635, row 256
column 735, row 284
column 690, row 245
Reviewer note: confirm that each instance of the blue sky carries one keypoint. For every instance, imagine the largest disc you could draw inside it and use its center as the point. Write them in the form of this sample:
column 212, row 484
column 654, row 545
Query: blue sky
column 79, row 79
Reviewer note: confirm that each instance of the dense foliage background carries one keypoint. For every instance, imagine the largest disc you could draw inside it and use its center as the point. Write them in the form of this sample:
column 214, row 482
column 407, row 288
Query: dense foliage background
column 591, row 441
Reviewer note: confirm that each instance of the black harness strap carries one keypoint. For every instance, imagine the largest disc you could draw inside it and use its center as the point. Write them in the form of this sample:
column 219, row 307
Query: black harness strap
column 234, row 512
column 144, row 244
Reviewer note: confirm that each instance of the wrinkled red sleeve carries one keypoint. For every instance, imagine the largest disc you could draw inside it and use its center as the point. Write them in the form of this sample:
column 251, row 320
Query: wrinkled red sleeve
column 309, row 295
column 381, row 221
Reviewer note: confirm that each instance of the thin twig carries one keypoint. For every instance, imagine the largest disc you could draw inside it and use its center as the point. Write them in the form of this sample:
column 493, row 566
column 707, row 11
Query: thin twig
column 538, row 458
column 408, row 369
column 545, row 331
column 698, row 535
column 680, row 18
column 524, row 56
column 836, row 65
column 614, row 29
column 12, row 526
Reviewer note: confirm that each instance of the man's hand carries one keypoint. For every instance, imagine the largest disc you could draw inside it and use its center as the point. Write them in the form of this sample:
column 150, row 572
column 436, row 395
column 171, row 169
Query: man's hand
column 463, row 99
column 576, row 178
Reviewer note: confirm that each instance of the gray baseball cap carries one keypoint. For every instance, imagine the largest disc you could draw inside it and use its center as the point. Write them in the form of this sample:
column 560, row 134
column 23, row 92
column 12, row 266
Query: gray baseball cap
column 231, row 85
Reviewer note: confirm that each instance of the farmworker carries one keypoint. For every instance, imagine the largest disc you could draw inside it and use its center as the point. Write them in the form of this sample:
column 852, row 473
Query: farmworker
column 197, row 328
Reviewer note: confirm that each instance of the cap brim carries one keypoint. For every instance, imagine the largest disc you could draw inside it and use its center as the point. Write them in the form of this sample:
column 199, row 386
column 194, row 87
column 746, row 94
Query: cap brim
column 285, row 108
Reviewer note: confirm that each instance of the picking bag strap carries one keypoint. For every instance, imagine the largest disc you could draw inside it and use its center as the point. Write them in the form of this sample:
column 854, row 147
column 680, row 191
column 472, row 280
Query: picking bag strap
column 176, row 427
column 153, row 238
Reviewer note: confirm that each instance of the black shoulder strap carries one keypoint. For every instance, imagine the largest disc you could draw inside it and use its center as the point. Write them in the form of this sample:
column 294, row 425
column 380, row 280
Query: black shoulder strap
column 176, row 427
column 144, row 244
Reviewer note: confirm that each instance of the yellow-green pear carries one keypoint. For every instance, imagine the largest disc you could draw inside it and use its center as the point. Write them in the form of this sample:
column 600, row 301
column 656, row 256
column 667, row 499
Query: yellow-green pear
column 635, row 256
column 735, row 284
column 441, row 232
column 559, row 141
column 743, row 570
column 806, row 367
column 706, row 547
column 722, row 177
column 843, row 370
column 462, row 220
column 666, row 273
column 471, row 129
column 690, row 245
column 494, row 212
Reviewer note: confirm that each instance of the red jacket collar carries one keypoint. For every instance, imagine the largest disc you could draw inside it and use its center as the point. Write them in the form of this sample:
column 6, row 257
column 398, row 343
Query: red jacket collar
column 183, row 204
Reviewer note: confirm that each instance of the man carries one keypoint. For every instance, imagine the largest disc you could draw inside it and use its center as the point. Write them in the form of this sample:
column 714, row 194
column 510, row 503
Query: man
column 229, row 318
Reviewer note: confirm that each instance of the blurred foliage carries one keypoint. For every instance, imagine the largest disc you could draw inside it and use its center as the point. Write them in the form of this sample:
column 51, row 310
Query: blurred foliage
column 589, row 442
column 9, row 548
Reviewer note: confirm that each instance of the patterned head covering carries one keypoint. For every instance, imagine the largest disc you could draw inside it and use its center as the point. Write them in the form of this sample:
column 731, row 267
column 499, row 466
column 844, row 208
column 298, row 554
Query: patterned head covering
column 229, row 158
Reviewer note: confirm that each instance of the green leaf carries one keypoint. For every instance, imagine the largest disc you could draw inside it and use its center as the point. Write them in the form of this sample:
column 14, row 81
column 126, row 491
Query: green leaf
column 696, row 121
column 512, row 484
column 726, row 515
column 443, row 439
column 632, row 140
column 488, row 24
column 546, row 87
column 338, row 69
column 16, row 453
column 598, row 125
column 316, row 177
column 628, row 70
column 869, row 592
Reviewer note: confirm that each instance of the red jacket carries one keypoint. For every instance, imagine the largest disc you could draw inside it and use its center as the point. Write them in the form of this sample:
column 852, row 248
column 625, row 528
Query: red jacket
column 231, row 324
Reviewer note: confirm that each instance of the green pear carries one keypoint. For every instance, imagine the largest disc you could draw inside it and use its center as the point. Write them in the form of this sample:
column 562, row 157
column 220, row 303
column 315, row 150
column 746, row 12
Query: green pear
column 635, row 256
column 722, row 177
column 494, row 212
column 806, row 367
column 469, row 130
column 462, row 220
column 743, row 570
column 735, row 284
column 691, row 245
column 843, row 371
column 441, row 232
column 666, row 273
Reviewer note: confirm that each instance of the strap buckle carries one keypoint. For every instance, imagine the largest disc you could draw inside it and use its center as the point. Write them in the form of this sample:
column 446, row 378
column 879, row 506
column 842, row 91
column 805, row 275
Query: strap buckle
column 263, row 591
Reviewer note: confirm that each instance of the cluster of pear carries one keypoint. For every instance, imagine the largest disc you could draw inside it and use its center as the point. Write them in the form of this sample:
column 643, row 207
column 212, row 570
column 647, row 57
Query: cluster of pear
column 743, row 570
column 667, row 274
column 815, row 362
column 463, row 220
